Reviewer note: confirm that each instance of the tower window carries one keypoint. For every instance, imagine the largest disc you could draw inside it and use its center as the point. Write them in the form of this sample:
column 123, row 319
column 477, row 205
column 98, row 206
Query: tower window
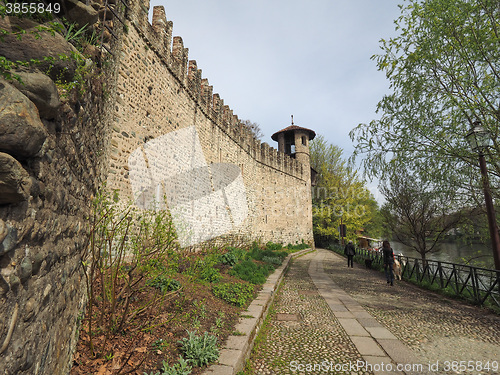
column 304, row 141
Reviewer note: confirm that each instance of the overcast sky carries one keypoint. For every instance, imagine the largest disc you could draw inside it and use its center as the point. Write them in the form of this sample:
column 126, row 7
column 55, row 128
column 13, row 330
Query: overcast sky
column 269, row 59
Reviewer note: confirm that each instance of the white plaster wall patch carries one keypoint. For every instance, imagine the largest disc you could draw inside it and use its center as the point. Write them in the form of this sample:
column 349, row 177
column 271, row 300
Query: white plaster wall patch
column 205, row 201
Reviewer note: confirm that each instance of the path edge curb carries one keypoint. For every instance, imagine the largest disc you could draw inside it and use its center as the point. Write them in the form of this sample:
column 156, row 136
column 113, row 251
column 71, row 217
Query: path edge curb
column 236, row 350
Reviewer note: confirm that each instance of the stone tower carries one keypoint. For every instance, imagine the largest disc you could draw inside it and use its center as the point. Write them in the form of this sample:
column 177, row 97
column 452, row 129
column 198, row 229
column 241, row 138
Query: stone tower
column 294, row 141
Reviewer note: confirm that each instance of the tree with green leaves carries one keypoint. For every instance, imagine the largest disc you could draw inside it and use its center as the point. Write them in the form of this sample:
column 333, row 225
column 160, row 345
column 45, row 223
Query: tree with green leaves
column 444, row 73
column 338, row 195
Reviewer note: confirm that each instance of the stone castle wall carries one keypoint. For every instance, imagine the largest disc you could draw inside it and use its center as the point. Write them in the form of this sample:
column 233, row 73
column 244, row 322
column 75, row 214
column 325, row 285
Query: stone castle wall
column 173, row 138
column 155, row 130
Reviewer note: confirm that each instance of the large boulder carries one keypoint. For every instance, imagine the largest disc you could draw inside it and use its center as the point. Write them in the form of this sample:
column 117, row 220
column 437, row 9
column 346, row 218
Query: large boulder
column 38, row 45
column 79, row 13
column 22, row 133
column 15, row 182
column 41, row 90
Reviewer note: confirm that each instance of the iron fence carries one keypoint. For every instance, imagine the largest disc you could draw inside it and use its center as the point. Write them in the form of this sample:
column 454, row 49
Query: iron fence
column 478, row 285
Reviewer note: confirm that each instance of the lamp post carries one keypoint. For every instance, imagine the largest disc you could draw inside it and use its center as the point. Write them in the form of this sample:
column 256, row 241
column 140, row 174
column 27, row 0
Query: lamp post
column 479, row 140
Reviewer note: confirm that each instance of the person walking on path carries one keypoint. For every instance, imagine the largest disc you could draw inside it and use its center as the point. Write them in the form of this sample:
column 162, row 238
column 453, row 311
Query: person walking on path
column 388, row 255
column 350, row 251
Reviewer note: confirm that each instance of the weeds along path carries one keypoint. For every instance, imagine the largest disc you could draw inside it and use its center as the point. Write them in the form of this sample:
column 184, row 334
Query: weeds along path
column 301, row 329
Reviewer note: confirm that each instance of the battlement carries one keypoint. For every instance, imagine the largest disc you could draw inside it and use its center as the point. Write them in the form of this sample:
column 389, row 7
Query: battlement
column 172, row 53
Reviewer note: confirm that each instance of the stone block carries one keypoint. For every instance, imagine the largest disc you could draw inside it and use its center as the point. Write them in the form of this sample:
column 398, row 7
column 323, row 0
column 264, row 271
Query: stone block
column 21, row 131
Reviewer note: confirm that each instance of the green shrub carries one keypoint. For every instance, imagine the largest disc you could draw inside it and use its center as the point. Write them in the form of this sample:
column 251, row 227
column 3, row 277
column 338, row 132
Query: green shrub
column 233, row 256
column 255, row 253
column 179, row 368
column 235, row 293
column 259, row 254
column 255, row 245
column 300, row 246
column 275, row 261
column 273, row 246
column 174, row 285
column 212, row 275
column 164, row 283
column 200, row 350
column 203, row 269
column 229, row 259
column 252, row 272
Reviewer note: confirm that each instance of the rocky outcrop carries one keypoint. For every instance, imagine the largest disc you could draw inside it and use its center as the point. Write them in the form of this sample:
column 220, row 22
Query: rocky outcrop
column 41, row 90
column 53, row 158
column 15, row 182
column 79, row 13
column 8, row 237
column 21, row 131
column 38, row 45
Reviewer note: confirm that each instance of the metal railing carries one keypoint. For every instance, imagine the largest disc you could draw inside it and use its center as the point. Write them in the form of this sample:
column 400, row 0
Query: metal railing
column 478, row 285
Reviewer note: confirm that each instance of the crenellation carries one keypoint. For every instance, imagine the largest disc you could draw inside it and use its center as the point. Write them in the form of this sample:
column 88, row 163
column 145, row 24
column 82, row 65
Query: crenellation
column 206, row 94
column 159, row 21
column 243, row 133
column 180, row 59
column 178, row 48
column 217, row 104
column 255, row 148
column 168, row 36
column 235, row 132
column 264, row 153
column 194, row 80
column 248, row 138
column 271, row 157
column 275, row 158
column 138, row 12
column 235, row 120
column 227, row 115
column 163, row 29
column 224, row 124
column 279, row 159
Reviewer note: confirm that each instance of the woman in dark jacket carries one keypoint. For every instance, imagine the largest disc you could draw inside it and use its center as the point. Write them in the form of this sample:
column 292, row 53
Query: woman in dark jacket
column 350, row 251
column 388, row 255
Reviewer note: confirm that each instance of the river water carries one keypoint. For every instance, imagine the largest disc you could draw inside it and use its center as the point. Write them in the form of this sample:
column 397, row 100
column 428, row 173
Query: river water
column 454, row 253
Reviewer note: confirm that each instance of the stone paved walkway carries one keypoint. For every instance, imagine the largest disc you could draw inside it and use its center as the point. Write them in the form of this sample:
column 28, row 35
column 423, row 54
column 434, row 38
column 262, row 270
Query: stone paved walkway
column 338, row 318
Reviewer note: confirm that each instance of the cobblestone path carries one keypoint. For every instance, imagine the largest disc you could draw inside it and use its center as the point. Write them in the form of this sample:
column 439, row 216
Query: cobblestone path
column 435, row 327
column 303, row 329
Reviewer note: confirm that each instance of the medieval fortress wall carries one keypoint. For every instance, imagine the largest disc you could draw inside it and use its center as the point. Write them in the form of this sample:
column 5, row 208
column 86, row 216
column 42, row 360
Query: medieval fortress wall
column 176, row 143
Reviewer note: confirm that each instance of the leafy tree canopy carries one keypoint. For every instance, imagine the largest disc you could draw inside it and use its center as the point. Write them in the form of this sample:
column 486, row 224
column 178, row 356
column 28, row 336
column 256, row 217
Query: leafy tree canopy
column 339, row 193
column 444, row 73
